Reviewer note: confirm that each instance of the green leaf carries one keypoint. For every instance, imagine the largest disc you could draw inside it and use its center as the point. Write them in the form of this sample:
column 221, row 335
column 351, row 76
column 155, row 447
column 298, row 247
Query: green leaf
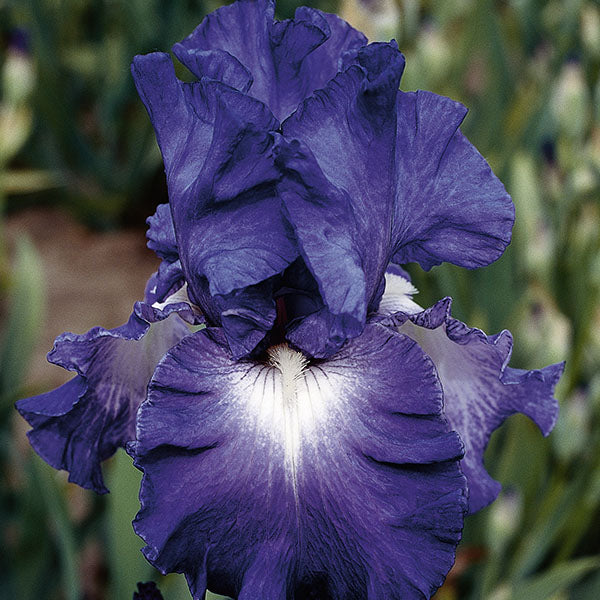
column 25, row 318
column 557, row 579
column 62, row 529
column 211, row 596
column 127, row 564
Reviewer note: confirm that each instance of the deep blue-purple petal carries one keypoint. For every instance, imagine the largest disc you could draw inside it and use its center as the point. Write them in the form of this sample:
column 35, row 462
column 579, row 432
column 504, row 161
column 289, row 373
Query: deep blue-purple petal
column 246, row 316
column 450, row 207
column 324, row 62
column 165, row 281
column 480, row 390
column 336, row 187
column 230, row 231
column 331, row 252
column 242, row 30
column 83, row 422
column 161, row 233
column 374, row 174
column 205, row 130
column 257, row 475
column 277, row 62
column 162, row 240
column 215, row 64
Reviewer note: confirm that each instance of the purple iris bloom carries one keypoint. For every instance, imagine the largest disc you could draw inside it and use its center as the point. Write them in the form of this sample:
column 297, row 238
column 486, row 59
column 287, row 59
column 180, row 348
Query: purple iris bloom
column 147, row 591
column 322, row 435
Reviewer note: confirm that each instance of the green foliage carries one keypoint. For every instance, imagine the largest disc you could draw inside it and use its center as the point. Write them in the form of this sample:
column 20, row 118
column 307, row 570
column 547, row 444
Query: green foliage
column 529, row 72
column 25, row 317
column 19, row 512
column 90, row 129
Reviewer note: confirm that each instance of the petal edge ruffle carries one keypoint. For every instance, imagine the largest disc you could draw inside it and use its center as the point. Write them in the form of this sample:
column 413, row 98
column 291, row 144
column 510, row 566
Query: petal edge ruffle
column 83, row 422
column 481, row 391
column 277, row 62
column 256, row 475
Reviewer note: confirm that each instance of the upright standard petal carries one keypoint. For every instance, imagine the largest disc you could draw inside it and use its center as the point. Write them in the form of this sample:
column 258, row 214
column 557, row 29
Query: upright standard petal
column 83, row 422
column 337, row 157
column 162, row 240
column 278, row 62
column 221, row 179
column 373, row 174
column 257, row 475
column 480, row 390
column 449, row 206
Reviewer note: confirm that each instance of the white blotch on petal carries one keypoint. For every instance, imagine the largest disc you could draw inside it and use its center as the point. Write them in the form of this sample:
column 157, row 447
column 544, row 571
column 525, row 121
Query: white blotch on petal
column 289, row 400
column 398, row 296
column 181, row 295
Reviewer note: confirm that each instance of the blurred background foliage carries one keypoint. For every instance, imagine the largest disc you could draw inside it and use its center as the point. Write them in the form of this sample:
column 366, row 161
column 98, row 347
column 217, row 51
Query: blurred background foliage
column 73, row 134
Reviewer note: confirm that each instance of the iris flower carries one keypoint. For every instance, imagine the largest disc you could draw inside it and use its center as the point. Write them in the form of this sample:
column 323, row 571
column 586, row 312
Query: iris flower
column 322, row 435
column 147, row 591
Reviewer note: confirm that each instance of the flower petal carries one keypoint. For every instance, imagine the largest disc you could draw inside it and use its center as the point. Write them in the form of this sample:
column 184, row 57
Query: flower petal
column 341, row 210
column 324, row 62
column 257, row 475
column 162, row 240
column 480, row 390
column 450, row 207
column 246, row 316
column 221, row 178
column 278, row 62
column 167, row 280
column 374, row 174
column 215, row 64
column 83, row 422
column 161, row 233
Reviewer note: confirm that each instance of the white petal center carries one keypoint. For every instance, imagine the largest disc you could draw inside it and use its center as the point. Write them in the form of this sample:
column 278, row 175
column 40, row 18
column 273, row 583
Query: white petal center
column 288, row 400
column 398, row 296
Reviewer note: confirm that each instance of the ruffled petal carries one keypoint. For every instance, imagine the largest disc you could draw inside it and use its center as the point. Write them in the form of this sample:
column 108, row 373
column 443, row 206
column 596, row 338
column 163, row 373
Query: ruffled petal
column 163, row 283
column 480, row 390
column 337, row 189
column 450, row 207
column 161, row 234
column 323, row 63
column 83, row 422
column 162, row 240
column 241, row 30
column 246, row 316
column 278, row 62
column 215, row 64
column 221, row 178
column 272, row 480
column 373, row 174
